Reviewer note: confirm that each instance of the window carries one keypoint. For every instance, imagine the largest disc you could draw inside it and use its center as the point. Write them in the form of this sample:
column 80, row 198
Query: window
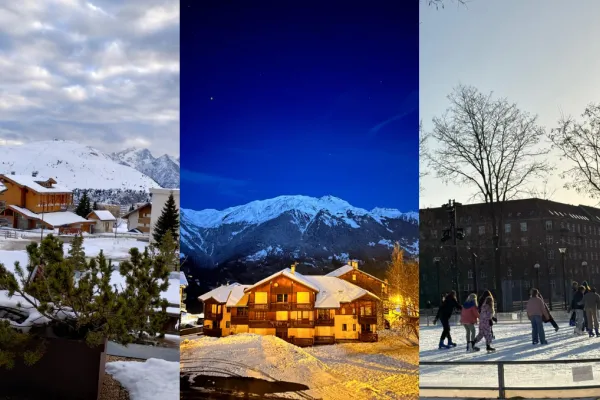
column 344, row 327
column 282, row 298
column 553, row 284
column 354, row 327
column 523, row 226
column 366, row 310
column 507, row 228
column 548, row 225
column 551, row 254
column 303, row 297
column 508, row 242
column 227, row 324
column 434, row 233
column 242, row 312
column 353, row 277
column 470, row 274
column 585, row 229
column 468, row 231
column 483, row 274
column 524, row 241
column 482, row 230
column 549, row 239
column 260, row 315
column 281, row 315
column 260, row 298
column 552, row 271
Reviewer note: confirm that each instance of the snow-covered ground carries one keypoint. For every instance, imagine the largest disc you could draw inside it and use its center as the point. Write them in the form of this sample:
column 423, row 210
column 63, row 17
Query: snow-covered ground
column 114, row 248
column 513, row 342
column 151, row 380
column 387, row 369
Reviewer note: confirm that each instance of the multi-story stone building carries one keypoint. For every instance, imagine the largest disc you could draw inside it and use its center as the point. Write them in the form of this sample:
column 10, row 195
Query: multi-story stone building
column 533, row 233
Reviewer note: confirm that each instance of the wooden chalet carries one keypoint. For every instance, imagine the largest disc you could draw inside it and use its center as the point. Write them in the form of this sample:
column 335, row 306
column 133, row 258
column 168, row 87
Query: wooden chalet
column 139, row 218
column 104, row 221
column 301, row 309
column 27, row 202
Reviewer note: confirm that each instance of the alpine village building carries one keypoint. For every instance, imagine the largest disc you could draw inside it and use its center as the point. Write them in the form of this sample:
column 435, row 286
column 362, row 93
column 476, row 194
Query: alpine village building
column 301, row 309
column 28, row 202
column 533, row 232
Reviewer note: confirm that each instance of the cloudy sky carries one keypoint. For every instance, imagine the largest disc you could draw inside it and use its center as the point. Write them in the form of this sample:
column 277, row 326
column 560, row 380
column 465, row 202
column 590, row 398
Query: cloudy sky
column 100, row 73
column 542, row 54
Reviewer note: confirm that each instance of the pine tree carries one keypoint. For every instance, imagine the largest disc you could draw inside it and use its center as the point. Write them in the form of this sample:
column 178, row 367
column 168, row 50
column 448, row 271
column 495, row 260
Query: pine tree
column 84, row 207
column 167, row 222
column 95, row 207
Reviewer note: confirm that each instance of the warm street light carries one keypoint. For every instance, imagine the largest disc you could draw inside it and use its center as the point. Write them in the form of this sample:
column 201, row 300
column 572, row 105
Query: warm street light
column 537, row 272
column 563, row 251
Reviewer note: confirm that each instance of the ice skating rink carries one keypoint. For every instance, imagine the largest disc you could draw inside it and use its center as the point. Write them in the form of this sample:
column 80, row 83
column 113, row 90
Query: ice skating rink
column 513, row 342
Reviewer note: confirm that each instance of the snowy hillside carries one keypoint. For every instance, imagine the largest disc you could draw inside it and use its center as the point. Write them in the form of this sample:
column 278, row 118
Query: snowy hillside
column 250, row 241
column 164, row 169
column 72, row 165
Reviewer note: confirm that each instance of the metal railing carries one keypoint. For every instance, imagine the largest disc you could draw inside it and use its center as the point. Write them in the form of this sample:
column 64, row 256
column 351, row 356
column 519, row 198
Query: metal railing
column 517, row 317
column 502, row 389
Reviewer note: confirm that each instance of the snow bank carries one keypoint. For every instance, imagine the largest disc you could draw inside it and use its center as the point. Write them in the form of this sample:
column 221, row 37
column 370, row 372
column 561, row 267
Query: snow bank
column 114, row 248
column 151, row 380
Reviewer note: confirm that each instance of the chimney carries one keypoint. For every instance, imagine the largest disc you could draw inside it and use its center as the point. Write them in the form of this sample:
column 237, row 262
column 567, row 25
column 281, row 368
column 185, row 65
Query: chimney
column 34, row 174
column 354, row 264
column 294, row 268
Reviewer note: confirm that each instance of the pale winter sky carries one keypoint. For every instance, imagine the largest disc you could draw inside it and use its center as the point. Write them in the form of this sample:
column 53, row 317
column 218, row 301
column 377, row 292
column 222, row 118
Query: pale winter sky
column 104, row 73
column 542, row 54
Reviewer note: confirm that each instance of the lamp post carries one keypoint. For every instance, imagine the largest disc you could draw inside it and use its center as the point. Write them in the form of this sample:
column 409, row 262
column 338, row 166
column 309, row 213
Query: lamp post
column 437, row 260
column 584, row 265
column 563, row 252
column 537, row 273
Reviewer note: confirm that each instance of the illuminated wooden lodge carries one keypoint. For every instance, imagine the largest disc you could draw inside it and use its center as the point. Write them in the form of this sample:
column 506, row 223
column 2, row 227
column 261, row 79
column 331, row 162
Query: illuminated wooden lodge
column 27, row 202
column 301, row 309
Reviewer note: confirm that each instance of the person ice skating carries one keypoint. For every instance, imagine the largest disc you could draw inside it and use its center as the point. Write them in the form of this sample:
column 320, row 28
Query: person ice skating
column 591, row 303
column 586, row 326
column 486, row 321
column 536, row 312
column 468, row 318
column 549, row 318
column 484, row 296
column 443, row 315
column 574, row 291
column 577, row 307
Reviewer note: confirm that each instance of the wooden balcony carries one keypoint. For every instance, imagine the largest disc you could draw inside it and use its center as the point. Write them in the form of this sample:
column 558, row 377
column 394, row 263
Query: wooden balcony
column 325, row 322
column 367, row 337
column 254, row 306
column 281, row 306
column 303, row 323
column 367, row 319
column 213, row 317
column 144, row 220
column 212, row 332
column 239, row 320
column 324, row 340
column 280, row 324
column 259, row 323
column 303, row 306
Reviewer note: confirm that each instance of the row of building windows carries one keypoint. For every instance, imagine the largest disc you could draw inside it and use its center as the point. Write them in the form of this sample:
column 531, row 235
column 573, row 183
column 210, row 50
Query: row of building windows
column 585, row 229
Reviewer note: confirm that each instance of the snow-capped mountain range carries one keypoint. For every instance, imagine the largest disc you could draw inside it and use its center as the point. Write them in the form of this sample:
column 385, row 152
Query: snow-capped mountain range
column 164, row 169
column 315, row 231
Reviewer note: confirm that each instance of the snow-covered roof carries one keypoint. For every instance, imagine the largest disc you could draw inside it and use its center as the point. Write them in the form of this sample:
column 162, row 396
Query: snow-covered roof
column 137, row 209
column 347, row 268
column 59, row 218
column 220, row 294
column 288, row 274
column 333, row 291
column 182, row 279
column 32, row 183
column 103, row 215
column 237, row 297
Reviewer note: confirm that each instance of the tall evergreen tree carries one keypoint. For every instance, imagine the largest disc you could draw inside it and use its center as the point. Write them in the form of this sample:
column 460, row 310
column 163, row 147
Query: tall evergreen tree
column 84, row 208
column 95, row 207
column 167, row 222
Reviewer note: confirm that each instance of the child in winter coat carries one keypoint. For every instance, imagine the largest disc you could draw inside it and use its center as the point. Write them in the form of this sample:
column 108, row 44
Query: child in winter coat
column 468, row 318
column 486, row 320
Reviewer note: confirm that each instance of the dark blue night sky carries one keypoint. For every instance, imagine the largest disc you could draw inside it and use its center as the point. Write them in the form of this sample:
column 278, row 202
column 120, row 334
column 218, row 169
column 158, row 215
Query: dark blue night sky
column 299, row 97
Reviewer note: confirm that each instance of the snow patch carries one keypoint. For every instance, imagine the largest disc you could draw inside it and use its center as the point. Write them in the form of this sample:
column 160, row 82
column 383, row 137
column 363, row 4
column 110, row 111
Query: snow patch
column 153, row 379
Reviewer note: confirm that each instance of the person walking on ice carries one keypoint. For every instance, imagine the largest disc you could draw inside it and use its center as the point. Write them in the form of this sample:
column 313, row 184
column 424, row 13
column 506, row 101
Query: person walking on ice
column 536, row 312
column 468, row 318
column 577, row 307
column 486, row 321
column 444, row 313
column 591, row 304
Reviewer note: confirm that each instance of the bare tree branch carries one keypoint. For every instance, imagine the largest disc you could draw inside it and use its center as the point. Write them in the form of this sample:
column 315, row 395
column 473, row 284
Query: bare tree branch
column 579, row 143
column 441, row 3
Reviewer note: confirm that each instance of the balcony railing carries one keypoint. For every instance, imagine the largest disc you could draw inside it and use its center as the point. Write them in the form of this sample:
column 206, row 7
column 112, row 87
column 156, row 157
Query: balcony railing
column 303, row 323
column 280, row 306
column 280, row 324
column 254, row 306
column 259, row 323
column 367, row 319
column 325, row 322
column 287, row 306
column 216, row 332
column 239, row 320
column 213, row 317
column 367, row 337
column 303, row 306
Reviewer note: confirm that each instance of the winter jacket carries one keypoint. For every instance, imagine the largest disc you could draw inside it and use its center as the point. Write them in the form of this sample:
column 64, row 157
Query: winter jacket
column 469, row 313
column 447, row 308
column 536, row 306
column 485, row 318
column 591, row 301
column 482, row 302
column 577, row 302
column 547, row 317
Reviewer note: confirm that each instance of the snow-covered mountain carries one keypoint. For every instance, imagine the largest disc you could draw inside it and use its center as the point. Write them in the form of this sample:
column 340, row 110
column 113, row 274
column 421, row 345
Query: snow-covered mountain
column 164, row 169
column 73, row 165
column 319, row 232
